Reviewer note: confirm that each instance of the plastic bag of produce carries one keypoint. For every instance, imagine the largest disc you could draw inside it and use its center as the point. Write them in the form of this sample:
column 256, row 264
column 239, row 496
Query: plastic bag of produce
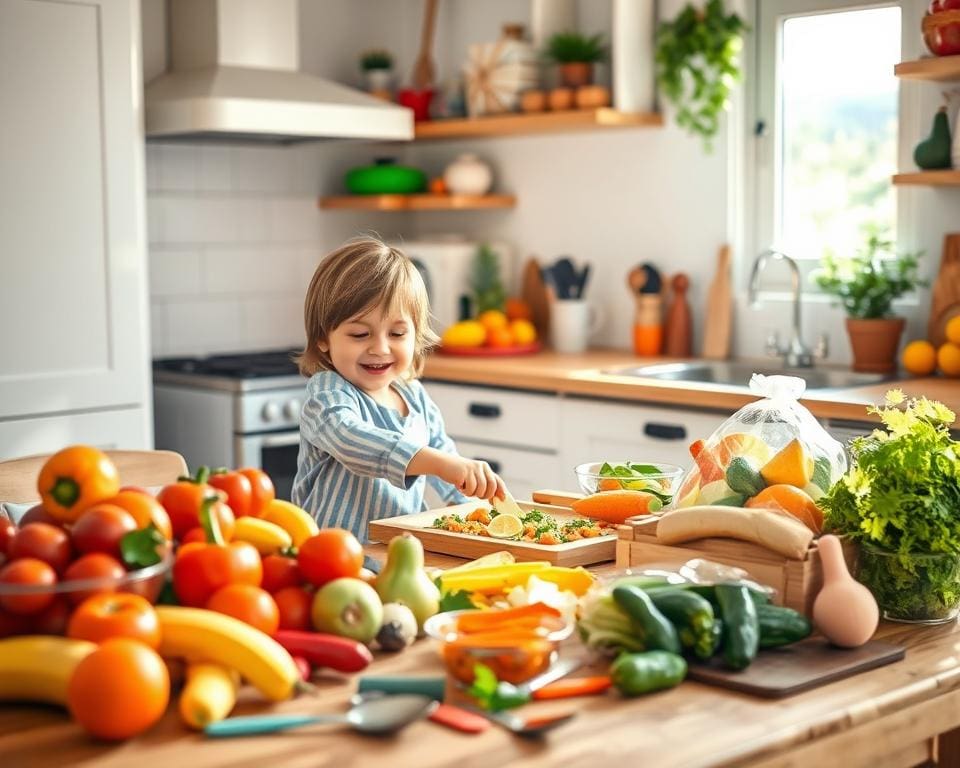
column 770, row 454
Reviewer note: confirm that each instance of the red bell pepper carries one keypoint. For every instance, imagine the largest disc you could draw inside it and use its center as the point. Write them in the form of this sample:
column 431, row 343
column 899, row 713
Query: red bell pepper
column 183, row 500
column 262, row 490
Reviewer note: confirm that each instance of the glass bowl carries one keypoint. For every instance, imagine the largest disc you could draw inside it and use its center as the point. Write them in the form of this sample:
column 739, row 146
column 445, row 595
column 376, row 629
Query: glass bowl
column 663, row 481
column 146, row 582
column 922, row 588
column 512, row 660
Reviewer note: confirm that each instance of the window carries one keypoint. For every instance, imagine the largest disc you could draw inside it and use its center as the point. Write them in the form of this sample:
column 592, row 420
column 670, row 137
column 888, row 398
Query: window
column 827, row 108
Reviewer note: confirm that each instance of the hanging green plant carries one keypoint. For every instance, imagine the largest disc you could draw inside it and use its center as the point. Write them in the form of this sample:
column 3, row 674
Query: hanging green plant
column 697, row 57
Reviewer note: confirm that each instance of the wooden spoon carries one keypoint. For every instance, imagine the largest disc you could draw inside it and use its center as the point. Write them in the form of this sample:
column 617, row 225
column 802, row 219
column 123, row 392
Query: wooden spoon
column 423, row 70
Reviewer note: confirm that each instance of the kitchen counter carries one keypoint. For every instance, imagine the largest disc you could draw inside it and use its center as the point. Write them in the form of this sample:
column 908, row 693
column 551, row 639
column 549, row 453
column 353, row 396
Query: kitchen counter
column 584, row 375
column 887, row 716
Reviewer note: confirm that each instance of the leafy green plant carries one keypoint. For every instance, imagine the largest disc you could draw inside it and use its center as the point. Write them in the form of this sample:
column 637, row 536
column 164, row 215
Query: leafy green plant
column 375, row 59
column 697, row 65
column 868, row 284
column 568, row 47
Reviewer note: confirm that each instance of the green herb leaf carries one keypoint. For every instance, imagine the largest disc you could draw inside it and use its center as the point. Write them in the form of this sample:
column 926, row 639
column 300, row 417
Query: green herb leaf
column 143, row 547
column 455, row 601
column 484, row 684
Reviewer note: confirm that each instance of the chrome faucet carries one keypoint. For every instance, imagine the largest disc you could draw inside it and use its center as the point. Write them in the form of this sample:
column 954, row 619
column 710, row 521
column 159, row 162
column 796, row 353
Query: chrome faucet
column 795, row 354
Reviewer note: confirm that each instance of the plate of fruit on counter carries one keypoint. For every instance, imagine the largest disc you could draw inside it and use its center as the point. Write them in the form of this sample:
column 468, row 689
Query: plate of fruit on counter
column 493, row 333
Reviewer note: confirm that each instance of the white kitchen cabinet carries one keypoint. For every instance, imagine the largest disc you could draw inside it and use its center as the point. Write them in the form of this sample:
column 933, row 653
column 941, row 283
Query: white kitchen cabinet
column 75, row 341
column 523, row 470
column 592, row 430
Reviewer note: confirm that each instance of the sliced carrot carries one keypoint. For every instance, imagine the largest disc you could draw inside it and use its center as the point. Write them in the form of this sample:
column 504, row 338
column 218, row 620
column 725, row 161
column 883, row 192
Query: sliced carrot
column 573, row 686
column 617, row 506
column 484, row 621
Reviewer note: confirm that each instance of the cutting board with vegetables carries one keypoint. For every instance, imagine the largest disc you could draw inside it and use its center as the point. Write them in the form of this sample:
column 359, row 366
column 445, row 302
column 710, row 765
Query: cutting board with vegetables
column 791, row 669
column 945, row 293
column 586, row 551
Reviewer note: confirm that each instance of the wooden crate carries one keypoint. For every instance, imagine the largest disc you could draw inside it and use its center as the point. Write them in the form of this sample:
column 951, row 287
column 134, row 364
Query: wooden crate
column 797, row 582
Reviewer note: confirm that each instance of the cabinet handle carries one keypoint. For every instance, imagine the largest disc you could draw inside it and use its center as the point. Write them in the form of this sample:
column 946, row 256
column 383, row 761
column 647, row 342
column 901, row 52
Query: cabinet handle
column 494, row 464
column 484, row 411
column 664, row 431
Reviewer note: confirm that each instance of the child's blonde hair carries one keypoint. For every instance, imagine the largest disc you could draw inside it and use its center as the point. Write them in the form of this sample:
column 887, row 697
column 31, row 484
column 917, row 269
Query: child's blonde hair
column 360, row 275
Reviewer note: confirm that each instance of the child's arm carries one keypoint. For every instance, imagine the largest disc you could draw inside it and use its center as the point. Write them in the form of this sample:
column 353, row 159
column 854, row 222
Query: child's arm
column 471, row 477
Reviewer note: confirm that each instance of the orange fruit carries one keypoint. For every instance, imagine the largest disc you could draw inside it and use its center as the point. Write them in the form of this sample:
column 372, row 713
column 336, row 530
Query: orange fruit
column 793, row 501
column 518, row 309
column 952, row 329
column 919, row 358
column 523, row 331
column 792, row 465
column 741, row 444
column 438, row 186
column 492, row 319
column 500, row 337
column 948, row 359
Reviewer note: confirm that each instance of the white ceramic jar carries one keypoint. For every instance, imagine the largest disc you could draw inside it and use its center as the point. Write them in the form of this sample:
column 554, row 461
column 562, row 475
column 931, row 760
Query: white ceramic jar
column 468, row 175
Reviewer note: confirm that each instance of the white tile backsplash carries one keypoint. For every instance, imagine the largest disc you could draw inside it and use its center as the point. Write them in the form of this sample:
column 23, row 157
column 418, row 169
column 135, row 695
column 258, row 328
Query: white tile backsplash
column 294, row 220
column 273, row 322
column 178, row 168
column 175, row 272
column 214, row 169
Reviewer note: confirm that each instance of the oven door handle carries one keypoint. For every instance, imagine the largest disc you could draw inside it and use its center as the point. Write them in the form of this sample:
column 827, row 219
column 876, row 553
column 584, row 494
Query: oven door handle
column 279, row 441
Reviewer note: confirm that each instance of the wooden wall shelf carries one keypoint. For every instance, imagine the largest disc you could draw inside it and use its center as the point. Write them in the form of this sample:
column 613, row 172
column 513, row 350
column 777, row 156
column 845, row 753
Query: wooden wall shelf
column 940, row 68
column 417, row 202
column 929, row 178
column 540, row 122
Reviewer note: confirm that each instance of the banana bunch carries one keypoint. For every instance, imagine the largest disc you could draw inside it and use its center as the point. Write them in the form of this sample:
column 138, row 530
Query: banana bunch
column 38, row 667
column 268, row 538
column 200, row 635
column 295, row 521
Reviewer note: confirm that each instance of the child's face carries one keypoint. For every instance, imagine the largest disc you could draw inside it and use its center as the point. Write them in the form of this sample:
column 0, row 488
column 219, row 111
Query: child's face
column 373, row 349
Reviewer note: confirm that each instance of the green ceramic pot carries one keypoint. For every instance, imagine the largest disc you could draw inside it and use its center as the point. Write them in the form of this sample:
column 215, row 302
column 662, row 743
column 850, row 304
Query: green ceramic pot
column 385, row 178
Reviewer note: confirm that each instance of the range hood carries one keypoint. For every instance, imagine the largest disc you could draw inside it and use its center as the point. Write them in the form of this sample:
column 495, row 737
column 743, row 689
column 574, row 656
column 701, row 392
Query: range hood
column 234, row 77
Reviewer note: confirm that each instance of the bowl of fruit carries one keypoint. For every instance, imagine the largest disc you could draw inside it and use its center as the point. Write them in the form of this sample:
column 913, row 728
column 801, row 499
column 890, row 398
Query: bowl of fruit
column 653, row 477
column 493, row 333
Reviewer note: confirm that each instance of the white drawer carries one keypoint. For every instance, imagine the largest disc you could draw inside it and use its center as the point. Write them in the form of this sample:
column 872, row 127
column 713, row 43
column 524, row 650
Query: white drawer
column 522, row 471
column 498, row 416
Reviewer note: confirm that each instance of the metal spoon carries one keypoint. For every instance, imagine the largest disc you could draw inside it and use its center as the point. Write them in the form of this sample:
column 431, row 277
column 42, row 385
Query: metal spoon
column 377, row 716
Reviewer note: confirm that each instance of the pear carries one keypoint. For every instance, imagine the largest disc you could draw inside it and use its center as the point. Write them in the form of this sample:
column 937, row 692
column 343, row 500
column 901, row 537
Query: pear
column 404, row 581
column 934, row 151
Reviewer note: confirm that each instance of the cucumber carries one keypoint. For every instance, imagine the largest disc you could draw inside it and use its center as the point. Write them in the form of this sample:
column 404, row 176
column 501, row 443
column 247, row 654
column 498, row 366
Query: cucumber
column 741, row 627
column 692, row 615
column 634, row 674
column 743, row 476
column 781, row 626
column 654, row 628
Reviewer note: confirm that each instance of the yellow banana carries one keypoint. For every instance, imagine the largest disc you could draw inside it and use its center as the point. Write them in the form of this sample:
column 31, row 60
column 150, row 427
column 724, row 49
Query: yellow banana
column 201, row 635
column 267, row 537
column 209, row 695
column 39, row 667
column 295, row 521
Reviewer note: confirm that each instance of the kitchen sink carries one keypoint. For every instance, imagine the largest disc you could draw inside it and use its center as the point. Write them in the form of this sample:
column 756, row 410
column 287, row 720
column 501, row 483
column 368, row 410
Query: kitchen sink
column 737, row 374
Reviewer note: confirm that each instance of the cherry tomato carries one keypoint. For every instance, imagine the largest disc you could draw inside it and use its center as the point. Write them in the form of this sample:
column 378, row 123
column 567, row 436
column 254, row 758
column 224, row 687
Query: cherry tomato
column 108, row 570
column 250, row 604
column 330, row 554
column 8, row 529
column 53, row 619
column 238, row 489
column 119, row 690
column 27, row 571
column 293, row 604
column 115, row 615
column 100, row 529
column 44, row 542
column 280, row 572
column 201, row 569
column 144, row 509
column 37, row 514
column 262, row 490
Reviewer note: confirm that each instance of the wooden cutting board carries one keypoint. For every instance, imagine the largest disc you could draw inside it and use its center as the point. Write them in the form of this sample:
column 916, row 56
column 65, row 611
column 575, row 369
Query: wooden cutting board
column 779, row 672
column 534, row 293
column 718, row 319
column 945, row 295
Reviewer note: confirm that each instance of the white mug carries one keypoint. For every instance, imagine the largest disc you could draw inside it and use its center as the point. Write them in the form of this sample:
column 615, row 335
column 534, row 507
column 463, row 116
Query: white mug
column 571, row 323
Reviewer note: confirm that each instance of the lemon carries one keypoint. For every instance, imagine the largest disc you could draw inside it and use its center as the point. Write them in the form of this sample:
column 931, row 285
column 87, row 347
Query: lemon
column 919, row 358
column 505, row 526
column 952, row 329
column 466, row 333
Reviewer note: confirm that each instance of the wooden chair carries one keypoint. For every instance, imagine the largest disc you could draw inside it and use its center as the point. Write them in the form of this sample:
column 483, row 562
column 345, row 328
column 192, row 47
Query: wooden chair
column 18, row 477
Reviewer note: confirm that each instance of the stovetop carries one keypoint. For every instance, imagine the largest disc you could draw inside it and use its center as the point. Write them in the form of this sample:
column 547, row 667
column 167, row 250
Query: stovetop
column 240, row 371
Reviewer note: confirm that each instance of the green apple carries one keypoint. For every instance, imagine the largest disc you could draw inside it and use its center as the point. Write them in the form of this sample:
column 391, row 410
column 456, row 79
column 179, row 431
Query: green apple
column 349, row 608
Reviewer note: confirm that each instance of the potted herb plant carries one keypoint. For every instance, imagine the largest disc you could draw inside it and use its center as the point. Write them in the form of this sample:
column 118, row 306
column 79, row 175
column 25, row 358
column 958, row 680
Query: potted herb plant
column 697, row 61
column 576, row 54
column 867, row 286
column 377, row 66
column 899, row 500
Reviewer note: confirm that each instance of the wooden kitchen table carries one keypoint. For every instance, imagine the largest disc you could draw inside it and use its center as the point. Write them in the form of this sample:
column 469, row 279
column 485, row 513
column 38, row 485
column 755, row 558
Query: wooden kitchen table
column 885, row 717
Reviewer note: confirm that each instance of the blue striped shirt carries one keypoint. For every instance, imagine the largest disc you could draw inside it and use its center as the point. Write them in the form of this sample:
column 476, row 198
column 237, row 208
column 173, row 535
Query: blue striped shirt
column 354, row 452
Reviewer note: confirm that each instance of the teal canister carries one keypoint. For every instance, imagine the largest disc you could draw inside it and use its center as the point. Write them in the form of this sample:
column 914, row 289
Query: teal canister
column 385, row 177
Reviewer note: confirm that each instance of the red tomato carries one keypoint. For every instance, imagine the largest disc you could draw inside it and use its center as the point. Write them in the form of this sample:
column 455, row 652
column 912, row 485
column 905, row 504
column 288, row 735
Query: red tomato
column 94, row 566
column 280, row 572
column 118, row 615
column 249, row 604
column 262, row 490
column 293, row 604
column 144, row 509
column 37, row 514
column 194, row 535
column 330, row 554
column 53, row 619
column 100, row 529
column 8, row 529
column 44, row 542
column 238, row 489
column 182, row 501
column 27, row 571
column 202, row 569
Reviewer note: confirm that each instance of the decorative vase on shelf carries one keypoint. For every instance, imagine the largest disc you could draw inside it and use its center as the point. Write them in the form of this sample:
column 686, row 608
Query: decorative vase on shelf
column 875, row 342
column 468, row 175
column 934, row 152
column 378, row 79
column 497, row 73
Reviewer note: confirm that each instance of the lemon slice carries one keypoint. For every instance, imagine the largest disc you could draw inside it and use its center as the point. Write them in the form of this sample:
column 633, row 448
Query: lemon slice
column 505, row 526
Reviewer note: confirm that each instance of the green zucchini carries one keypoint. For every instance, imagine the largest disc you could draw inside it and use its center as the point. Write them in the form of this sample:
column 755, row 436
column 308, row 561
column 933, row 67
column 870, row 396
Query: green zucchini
column 634, row 674
column 691, row 614
column 741, row 627
column 781, row 626
column 655, row 628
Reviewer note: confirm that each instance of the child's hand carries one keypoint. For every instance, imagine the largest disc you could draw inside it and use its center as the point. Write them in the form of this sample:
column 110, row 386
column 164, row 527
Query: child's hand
column 473, row 477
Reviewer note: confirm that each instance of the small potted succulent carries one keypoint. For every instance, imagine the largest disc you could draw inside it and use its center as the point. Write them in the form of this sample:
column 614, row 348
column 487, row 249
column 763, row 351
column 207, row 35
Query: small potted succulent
column 377, row 66
column 867, row 286
column 576, row 54
column 898, row 501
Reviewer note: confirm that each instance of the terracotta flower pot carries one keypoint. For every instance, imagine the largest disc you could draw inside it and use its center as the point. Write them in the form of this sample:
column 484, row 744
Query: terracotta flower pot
column 573, row 74
column 875, row 343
